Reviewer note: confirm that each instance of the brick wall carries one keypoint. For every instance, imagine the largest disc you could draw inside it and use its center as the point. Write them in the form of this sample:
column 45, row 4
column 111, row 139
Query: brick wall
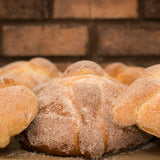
column 70, row 30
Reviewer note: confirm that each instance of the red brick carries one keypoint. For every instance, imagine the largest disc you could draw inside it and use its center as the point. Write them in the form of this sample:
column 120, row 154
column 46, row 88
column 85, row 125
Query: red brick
column 152, row 8
column 114, row 9
column 23, row 9
column 122, row 40
column 95, row 9
column 71, row 9
column 48, row 40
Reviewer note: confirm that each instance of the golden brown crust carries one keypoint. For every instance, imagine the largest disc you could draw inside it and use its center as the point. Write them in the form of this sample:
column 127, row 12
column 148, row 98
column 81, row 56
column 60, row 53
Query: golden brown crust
column 152, row 71
column 18, row 108
column 114, row 69
column 5, row 82
column 140, row 104
column 125, row 74
column 30, row 73
column 82, row 68
column 4, row 135
column 87, row 67
column 74, row 115
column 128, row 102
column 45, row 66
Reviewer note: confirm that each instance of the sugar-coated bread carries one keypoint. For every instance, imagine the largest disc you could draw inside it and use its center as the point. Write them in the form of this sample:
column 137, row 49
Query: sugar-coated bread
column 140, row 103
column 30, row 73
column 4, row 135
column 18, row 107
column 125, row 74
column 74, row 115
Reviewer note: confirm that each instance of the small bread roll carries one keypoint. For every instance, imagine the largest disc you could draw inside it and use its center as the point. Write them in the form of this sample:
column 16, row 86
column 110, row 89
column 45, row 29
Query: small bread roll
column 30, row 73
column 125, row 74
column 18, row 107
column 74, row 115
column 140, row 103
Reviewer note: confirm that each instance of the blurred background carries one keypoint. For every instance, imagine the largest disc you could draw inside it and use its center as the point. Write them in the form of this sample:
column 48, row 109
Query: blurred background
column 65, row 31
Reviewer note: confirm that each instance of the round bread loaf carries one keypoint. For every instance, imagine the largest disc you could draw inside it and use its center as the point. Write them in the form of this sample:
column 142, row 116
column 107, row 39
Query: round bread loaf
column 74, row 115
column 125, row 74
column 30, row 73
column 140, row 103
column 18, row 107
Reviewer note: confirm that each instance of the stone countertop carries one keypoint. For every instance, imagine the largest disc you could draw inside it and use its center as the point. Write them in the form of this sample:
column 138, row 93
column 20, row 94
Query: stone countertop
column 13, row 151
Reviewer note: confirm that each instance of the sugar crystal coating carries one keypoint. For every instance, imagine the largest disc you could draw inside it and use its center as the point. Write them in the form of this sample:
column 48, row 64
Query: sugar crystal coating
column 139, row 104
column 83, row 67
column 30, row 73
column 19, row 105
column 125, row 74
column 74, row 116
column 4, row 135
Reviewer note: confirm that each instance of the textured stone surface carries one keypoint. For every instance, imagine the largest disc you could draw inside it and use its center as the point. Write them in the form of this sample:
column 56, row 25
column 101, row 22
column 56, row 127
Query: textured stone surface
column 152, row 8
column 122, row 40
column 48, row 40
column 114, row 9
column 71, row 9
column 23, row 9
column 95, row 9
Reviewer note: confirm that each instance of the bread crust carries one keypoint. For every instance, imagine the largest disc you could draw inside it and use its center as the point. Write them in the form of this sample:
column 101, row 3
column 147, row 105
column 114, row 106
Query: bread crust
column 30, row 73
column 74, row 115
column 125, row 74
column 140, row 103
column 19, row 105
